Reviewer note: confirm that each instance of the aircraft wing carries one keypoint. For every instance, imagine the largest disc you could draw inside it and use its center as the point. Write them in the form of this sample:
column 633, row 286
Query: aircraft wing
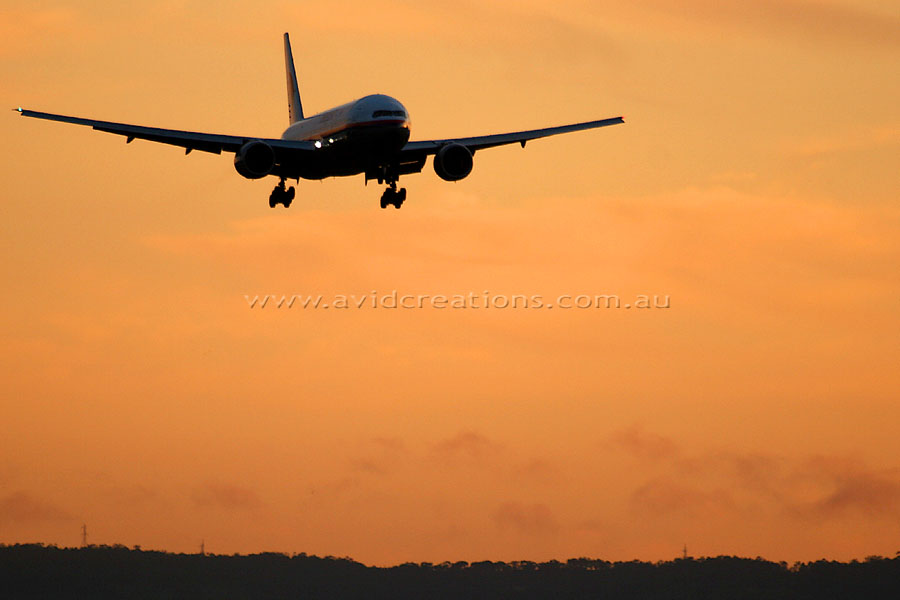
column 500, row 139
column 189, row 140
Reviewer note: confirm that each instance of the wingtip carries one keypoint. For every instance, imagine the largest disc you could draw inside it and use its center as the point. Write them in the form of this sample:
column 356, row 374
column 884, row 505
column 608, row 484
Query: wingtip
column 18, row 109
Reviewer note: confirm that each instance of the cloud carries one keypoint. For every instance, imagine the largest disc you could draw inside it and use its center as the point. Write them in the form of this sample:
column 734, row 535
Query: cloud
column 381, row 455
column 20, row 507
column 861, row 138
column 133, row 495
column 537, row 469
column 531, row 519
column 815, row 238
column 865, row 493
column 753, row 472
column 468, row 445
column 823, row 21
column 392, row 444
column 717, row 483
column 367, row 465
column 330, row 491
column 228, row 496
column 27, row 30
column 845, row 487
column 664, row 497
column 464, row 23
column 8, row 473
column 643, row 445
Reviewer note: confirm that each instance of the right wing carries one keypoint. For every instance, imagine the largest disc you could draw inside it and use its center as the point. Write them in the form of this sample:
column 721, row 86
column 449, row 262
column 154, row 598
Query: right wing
column 425, row 148
column 189, row 140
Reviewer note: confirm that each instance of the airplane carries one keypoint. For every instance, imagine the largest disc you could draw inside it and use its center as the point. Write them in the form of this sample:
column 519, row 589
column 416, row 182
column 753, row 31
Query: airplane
column 369, row 136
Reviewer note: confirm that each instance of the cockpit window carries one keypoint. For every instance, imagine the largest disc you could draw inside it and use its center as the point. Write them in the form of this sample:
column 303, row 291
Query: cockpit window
column 388, row 113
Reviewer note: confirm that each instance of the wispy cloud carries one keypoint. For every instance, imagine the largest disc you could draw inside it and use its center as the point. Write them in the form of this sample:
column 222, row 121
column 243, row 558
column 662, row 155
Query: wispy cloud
column 21, row 507
column 642, row 444
column 854, row 140
column 474, row 24
column 531, row 519
column 665, row 497
column 866, row 493
column 720, row 482
column 24, row 29
column 380, row 456
column 537, row 469
column 227, row 496
column 818, row 20
column 846, row 488
column 467, row 445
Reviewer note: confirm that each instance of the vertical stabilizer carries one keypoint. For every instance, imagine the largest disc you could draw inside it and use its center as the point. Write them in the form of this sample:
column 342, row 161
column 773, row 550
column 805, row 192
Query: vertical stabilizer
column 295, row 108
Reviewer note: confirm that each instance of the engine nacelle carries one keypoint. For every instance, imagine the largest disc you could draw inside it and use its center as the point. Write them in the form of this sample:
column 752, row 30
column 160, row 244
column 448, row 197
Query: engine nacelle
column 453, row 162
column 255, row 160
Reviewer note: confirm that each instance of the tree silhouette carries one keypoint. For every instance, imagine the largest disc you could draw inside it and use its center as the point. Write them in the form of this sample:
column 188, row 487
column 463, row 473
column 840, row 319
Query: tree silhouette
column 38, row 571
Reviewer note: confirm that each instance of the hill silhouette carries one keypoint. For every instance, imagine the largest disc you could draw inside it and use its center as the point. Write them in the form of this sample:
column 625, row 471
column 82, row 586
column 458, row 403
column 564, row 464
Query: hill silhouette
column 39, row 571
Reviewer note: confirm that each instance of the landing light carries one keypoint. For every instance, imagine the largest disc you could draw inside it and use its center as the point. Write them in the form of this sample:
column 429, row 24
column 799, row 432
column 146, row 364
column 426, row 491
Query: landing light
column 318, row 144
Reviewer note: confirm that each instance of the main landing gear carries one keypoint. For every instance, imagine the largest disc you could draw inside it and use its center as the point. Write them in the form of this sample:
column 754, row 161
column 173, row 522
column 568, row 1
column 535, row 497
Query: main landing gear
column 393, row 196
column 282, row 196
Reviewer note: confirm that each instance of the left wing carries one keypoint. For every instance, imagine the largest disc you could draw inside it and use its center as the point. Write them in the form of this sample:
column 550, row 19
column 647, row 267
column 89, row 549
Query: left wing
column 189, row 140
column 425, row 148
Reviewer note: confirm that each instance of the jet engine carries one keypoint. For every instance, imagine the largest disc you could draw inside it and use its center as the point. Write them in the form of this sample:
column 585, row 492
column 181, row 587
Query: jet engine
column 254, row 160
column 453, row 162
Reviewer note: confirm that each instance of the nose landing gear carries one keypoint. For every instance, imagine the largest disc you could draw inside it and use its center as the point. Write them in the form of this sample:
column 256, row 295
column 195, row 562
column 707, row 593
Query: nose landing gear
column 281, row 195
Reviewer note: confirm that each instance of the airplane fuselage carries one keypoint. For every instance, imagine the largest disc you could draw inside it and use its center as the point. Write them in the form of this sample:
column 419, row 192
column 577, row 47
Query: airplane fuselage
column 352, row 138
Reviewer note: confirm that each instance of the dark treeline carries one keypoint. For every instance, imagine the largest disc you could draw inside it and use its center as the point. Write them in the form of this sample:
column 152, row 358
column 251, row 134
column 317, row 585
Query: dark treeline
column 37, row 571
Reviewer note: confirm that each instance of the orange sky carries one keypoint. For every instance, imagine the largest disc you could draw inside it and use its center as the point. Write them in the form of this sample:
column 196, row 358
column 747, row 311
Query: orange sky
column 755, row 183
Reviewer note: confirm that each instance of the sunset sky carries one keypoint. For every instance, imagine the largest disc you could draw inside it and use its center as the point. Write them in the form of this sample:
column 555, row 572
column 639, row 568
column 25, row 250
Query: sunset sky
column 755, row 183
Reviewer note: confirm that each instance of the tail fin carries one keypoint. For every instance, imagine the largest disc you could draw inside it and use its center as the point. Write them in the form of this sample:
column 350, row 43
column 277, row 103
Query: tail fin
column 295, row 108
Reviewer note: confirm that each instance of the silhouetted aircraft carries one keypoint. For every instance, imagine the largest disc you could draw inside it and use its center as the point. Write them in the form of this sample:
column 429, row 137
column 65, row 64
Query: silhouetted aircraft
column 369, row 136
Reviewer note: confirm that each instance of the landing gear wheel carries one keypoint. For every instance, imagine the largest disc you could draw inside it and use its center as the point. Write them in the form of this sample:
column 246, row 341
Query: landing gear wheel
column 393, row 197
column 282, row 196
column 399, row 198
